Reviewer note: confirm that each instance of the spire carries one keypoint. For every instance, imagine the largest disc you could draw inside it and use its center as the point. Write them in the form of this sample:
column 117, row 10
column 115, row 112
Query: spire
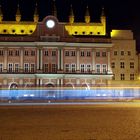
column 87, row 15
column 36, row 15
column 54, row 10
column 1, row 14
column 103, row 12
column 18, row 15
column 71, row 16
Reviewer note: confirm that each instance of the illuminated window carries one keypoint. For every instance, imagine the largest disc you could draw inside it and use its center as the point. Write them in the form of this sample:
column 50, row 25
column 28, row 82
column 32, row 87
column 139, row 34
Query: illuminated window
column 104, row 54
column 113, row 65
column 98, row 68
column 82, row 53
column 131, row 76
column 32, row 67
column 53, row 53
column 131, row 65
column 32, row 53
column 73, row 67
column 97, row 54
column 121, row 64
column 26, row 53
column 104, row 68
column 54, row 68
column 88, row 67
column 10, row 67
column 67, row 67
column 88, row 53
column 122, row 52
column 16, row 67
column 66, row 53
column 82, row 67
column 46, row 53
column 122, row 76
column 46, row 68
column 115, row 53
column 26, row 67
column 1, row 67
column 73, row 53
column 1, row 53
column 10, row 53
column 17, row 53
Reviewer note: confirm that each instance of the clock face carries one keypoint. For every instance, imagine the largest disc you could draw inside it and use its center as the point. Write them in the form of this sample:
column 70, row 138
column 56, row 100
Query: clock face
column 50, row 23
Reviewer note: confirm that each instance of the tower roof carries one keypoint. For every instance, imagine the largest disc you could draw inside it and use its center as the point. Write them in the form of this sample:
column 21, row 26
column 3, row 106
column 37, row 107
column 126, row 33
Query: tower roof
column 36, row 10
column 87, row 11
column 71, row 11
column 103, row 12
column 18, row 10
column 0, row 10
column 54, row 10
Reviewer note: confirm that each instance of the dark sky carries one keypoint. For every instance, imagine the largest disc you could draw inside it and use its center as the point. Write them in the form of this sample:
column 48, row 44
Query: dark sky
column 121, row 14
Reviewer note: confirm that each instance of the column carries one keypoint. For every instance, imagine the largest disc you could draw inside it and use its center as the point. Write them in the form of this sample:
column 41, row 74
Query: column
column 5, row 58
column 59, row 59
column 93, row 60
column 78, row 60
column 62, row 59
column 109, row 68
column 37, row 59
column 40, row 60
column 21, row 59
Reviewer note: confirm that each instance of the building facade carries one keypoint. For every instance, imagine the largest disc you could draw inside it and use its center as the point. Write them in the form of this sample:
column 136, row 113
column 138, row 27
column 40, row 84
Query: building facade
column 71, row 54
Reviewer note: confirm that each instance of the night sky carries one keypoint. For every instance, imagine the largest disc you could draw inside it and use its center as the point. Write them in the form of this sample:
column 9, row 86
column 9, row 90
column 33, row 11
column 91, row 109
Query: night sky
column 121, row 14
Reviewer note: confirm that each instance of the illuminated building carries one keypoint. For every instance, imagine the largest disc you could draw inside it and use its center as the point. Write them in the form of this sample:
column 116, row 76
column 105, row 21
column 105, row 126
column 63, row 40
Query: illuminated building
column 53, row 53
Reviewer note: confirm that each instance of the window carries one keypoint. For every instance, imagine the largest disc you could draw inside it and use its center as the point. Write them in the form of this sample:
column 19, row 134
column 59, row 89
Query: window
column 1, row 53
column 32, row 53
column 131, row 76
column 1, row 67
column 131, row 64
column 113, row 78
column 46, row 68
column 32, row 67
column 82, row 53
column 82, row 67
column 66, row 53
column 17, row 53
column 73, row 53
column 122, row 76
column 54, row 68
column 16, row 67
column 26, row 67
column 88, row 53
column 104, row 54
column 67, row 67
column 115, row 53
column 129, row 53
column 10, row 52
column 10, row 67
column 73, row 67
column 121, row 64
column 26, row 53
column 88, row 68
column 98, row 68
column 113, row 65
column 122, row 52
column 104, row 68
column 53, row 53
column 97, row 54
column 46, row 53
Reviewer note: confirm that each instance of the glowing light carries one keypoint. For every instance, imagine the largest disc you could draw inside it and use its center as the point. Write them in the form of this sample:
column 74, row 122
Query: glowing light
column 50, row 23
